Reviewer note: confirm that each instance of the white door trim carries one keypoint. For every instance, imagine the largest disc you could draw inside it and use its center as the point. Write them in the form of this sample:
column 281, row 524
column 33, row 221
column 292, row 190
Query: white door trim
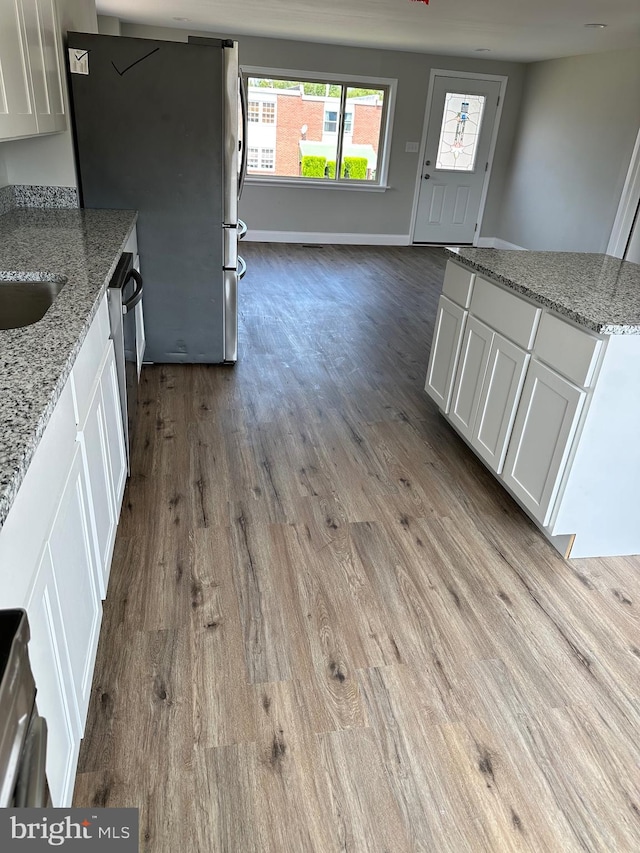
column 627, row 207
column 443, row 72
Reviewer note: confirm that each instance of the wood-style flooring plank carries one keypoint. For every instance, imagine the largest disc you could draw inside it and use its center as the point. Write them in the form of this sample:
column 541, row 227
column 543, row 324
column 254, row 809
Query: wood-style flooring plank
column 328, row 627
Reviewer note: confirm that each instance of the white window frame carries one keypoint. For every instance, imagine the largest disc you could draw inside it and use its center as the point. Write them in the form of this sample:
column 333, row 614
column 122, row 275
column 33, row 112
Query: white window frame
column 391, row 85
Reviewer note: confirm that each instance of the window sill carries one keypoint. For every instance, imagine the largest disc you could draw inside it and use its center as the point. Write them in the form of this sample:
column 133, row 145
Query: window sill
column 328, row 185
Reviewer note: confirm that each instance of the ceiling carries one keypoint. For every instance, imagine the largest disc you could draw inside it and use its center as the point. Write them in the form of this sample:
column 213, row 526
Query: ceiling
column 523, row 30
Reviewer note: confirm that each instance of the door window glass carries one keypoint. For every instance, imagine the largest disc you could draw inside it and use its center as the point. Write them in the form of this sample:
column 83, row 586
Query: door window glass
column 460, row 132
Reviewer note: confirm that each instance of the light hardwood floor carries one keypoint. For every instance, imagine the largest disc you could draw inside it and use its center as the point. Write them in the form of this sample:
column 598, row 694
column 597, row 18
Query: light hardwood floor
column 328, row 628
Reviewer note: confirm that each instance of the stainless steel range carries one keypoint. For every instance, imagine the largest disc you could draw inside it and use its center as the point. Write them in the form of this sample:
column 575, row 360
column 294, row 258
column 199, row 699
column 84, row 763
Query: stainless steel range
column 23, row 733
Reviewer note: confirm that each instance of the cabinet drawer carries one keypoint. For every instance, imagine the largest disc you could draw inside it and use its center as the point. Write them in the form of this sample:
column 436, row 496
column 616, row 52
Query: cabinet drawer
column 458, row 284
column 87, row 365
column 505, row 312
column 572, row 351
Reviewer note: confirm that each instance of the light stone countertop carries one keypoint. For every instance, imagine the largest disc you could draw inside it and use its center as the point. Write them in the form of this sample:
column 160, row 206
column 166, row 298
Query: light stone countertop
column 84, row 247
column 599, row 292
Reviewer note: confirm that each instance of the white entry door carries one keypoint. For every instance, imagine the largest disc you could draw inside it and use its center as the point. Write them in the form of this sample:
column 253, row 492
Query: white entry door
column 459, row 132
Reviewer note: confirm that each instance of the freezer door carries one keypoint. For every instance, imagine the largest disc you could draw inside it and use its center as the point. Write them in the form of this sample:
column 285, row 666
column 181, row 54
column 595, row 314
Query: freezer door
column 230, row 315
column 231, row 132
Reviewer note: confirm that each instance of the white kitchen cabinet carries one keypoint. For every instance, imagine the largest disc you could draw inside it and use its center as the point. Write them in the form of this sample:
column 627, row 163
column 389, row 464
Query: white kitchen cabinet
column 543, row 431
column 17, row 109
column 31, row 94
column 501, row 387
column 445, row 349
column 470, row 375
column 52, row 672
column 104, row 458
column 72, row 554
column 57, row 539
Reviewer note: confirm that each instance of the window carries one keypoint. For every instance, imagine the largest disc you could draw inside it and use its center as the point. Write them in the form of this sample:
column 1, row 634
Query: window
column 261, row 112
column 253, row 111
column 267, row 159
column 268, row 113
column 331, row 122
column 318, row 130
column 261, row 159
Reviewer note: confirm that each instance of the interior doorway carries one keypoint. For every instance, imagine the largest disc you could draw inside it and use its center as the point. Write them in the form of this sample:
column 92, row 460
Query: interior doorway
column 462, row 117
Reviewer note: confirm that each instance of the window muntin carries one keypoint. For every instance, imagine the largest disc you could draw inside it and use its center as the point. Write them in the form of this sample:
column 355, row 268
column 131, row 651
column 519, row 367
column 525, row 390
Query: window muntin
column 319, row 131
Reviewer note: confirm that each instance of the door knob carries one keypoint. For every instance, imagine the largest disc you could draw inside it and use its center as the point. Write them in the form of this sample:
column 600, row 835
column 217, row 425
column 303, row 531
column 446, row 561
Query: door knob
column 426, row 177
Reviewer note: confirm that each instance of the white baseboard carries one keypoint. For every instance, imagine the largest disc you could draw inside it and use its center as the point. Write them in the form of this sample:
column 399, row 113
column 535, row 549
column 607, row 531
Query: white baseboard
column 497, row 243
column 327, row 237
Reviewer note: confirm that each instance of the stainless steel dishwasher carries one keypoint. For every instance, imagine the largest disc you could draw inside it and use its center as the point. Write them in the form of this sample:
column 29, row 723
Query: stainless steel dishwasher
column 124, row 294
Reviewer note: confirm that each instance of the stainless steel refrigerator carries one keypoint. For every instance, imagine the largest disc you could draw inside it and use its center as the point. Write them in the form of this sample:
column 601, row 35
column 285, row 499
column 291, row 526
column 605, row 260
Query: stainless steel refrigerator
column 158, row 128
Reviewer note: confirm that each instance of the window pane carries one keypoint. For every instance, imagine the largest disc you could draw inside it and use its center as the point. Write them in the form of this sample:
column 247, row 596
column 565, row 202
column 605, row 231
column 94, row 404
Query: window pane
column 362, row 130
column 293, row 129
column 460, row 132
column 331, row 121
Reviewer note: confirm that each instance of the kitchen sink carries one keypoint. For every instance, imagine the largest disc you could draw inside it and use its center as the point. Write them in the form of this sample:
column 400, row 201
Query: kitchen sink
column 27, row 301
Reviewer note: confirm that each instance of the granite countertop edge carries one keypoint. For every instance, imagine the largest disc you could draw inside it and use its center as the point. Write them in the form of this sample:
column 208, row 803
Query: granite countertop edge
column 14, row 465
column 523, row 259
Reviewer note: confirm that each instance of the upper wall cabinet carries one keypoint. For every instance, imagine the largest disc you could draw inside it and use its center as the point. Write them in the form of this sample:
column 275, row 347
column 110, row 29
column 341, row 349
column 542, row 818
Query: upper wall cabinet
column 31, row 89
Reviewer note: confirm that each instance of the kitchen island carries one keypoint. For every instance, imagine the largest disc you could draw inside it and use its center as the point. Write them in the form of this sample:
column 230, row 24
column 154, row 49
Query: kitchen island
column 535, row 362
column 62, row 458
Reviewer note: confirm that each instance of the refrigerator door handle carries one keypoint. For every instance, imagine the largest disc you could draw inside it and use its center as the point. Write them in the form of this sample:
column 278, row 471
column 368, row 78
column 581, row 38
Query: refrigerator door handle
column 243, row 268
column 245, row 134
column 231, row 133
column 230, row 316
column 242, row 229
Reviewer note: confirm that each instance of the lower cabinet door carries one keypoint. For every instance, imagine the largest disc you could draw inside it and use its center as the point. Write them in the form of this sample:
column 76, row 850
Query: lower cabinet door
column 104, row 458
column 501, row 389
column 472, row 367
column 73, row 558
column 545, row 424
column 95, row 455
column 54, row 684
column 445, row 348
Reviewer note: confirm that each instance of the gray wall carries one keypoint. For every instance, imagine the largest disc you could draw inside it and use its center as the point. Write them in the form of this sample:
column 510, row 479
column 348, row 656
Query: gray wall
column 319, row 209
column 4, row 178
column 108, row 25
column 578, row 125
column 49, row 160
